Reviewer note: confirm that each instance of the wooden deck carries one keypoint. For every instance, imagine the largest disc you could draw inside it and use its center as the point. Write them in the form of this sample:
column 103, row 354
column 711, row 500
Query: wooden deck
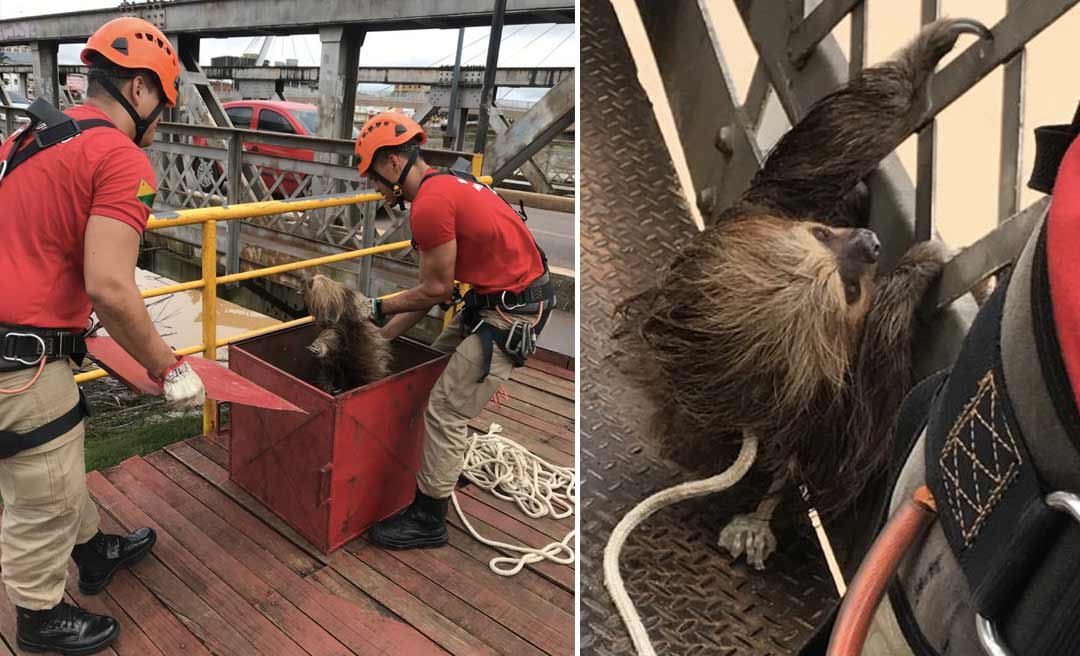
column 228, row 577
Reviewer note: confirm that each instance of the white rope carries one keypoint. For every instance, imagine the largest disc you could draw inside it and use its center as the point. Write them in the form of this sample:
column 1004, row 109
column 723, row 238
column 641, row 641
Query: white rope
column 613, row 579
column 539, row 488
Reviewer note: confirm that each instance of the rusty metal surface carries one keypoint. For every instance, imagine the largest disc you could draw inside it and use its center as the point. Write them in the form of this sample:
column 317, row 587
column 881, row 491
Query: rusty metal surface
column 691, row 597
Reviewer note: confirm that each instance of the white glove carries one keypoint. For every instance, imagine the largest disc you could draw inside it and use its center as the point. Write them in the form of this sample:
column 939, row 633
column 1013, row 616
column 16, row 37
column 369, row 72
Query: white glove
column 183, row 387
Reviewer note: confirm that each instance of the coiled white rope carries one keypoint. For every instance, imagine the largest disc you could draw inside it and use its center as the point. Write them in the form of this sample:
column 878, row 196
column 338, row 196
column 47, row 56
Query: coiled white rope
column 613, row 579
column 539, row 488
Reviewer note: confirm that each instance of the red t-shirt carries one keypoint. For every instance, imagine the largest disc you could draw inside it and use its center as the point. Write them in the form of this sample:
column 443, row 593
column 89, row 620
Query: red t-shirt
column 44, row 207
column 495, row 250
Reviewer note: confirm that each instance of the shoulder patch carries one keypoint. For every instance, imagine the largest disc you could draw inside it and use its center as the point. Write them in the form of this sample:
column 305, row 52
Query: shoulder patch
column 146, row 194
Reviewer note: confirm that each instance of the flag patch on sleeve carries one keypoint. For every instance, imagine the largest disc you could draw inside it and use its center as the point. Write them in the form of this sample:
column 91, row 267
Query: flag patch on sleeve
column 146, row 194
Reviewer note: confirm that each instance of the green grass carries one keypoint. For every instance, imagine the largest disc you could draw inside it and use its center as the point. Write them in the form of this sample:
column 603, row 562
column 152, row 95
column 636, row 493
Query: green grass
column 112, row 448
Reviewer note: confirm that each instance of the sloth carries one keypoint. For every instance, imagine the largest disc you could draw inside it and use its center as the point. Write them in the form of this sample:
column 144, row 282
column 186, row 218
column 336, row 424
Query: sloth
column 351, row 352
column 774, row 322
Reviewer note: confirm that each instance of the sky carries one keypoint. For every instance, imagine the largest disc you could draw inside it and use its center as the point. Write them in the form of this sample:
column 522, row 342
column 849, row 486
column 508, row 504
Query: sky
column 549, row 44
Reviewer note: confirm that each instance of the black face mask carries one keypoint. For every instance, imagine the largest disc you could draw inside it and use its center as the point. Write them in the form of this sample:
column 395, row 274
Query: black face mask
column 395, row 187
column 141, row 124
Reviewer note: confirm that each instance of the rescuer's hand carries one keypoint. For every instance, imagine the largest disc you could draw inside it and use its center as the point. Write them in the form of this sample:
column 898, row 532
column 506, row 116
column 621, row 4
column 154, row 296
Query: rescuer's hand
column 183, row 387
column 369, row 309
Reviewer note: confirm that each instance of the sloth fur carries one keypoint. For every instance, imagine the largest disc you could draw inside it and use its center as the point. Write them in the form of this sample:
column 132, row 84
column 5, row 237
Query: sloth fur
column 774, row 321
column 350, row 350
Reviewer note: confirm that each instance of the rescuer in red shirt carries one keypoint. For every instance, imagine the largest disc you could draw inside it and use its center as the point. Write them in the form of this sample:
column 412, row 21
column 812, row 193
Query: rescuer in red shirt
column 76, row 192
column 463, row 231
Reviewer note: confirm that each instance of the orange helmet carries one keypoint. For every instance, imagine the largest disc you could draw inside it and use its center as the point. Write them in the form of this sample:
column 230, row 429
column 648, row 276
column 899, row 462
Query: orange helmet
column 381, row 130
column 134, row 43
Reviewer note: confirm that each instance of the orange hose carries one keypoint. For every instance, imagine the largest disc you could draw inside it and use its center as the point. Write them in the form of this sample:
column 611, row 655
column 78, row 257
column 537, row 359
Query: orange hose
column 868, row 587
column 37, row 374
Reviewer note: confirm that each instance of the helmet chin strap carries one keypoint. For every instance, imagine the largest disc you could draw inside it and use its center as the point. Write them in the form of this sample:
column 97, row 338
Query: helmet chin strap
column 141, row 124
column 396, row 187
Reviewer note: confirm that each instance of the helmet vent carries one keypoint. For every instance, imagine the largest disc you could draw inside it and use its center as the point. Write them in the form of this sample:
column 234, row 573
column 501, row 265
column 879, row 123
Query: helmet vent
column 138, row 35
column 120, row 44
column 399, row 130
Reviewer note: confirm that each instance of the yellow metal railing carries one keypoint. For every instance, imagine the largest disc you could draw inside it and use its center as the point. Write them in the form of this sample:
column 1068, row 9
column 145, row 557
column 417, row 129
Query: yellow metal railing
column 208, row 217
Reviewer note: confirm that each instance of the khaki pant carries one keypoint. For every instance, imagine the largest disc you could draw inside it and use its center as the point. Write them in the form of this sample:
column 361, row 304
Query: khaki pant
column 47, row 510
column 455, row 399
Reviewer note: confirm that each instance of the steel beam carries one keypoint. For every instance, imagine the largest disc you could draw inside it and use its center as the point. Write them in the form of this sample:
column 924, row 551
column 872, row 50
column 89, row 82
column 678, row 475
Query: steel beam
column 815, row 27
column 533, row 173
column 337, row 80
column 471, row 76
column 717, row 137
column 221, row 18
column 46, row 75
column 487, row 92
column 535, row 129
column 455, row 90
column 1012, row 130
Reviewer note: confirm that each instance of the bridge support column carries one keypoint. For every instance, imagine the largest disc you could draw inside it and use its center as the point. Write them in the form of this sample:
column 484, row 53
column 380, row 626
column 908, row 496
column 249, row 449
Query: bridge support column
column 46, row 74
column 337, row 80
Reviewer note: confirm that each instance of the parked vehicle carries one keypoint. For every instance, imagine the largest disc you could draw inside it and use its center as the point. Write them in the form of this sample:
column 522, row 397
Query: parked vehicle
column 267, row 116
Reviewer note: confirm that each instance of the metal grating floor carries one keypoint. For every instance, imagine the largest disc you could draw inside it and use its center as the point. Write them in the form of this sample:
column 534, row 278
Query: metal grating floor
column 692, row 598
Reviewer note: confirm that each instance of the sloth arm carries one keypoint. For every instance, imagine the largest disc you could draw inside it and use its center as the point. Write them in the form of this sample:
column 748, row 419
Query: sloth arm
column 844, row 137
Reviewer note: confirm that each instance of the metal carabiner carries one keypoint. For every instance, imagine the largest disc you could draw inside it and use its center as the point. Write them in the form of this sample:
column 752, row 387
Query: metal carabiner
column 502, row 301
column 989, row 637
column 16, row 358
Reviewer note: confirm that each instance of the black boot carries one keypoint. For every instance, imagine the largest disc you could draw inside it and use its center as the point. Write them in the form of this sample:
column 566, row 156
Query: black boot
column 64, row 628
column 422, row 524
column 100, row 557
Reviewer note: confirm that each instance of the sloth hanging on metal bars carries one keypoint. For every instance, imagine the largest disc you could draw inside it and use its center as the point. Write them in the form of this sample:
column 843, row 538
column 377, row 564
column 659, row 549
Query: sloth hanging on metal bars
column 775, row 321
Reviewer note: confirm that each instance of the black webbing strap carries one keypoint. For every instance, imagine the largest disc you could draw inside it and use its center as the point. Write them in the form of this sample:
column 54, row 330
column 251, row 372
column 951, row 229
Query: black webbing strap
column 48, row 127
column 1019, row 556
column 12, row 443
column 22, row 346
column 490, row 336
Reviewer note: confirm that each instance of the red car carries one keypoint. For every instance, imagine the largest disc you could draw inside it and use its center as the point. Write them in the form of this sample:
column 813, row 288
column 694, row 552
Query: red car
column 268, row 116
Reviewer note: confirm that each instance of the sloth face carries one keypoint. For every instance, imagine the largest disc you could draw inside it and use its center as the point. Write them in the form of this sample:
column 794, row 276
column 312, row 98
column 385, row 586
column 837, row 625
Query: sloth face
column 856, row 251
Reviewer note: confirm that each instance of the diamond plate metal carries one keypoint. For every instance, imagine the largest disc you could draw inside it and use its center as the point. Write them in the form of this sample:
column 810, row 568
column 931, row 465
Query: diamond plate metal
column 691, row 597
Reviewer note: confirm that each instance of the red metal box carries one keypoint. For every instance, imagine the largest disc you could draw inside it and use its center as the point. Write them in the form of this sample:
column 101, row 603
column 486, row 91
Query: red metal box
column 347, row 463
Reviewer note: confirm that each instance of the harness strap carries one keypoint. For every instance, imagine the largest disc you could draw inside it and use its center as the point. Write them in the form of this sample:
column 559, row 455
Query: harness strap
column 12, row 443
column 22, row 346
column 1021, row 558
column 57, row 128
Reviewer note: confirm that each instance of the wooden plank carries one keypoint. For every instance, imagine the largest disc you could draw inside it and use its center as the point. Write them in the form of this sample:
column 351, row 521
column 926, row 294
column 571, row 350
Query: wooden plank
column 562, row 429
column 295, row 632
column 519, row 530
column 374, row 632
column 523, row 424
column 547, row 447
column 264, row 636
column 152, row 614
column 383, row 591
column 545, row 400
column 450, row 635
column 559, row 422
column 544, row 381
column 552, row 358
column 293, row 557
column 555, row 582
column 476, row 623
column 556, row 529
column 553, row 369
column 217, row 476
column 507, row 601
column 131, row 641
column 218, row 455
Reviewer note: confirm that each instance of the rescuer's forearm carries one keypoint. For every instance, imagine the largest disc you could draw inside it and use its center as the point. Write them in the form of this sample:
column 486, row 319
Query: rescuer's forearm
column 399, row 324
column 122, row 312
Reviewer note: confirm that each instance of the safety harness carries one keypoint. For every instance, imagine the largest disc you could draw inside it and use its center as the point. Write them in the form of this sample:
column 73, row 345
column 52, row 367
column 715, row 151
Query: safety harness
column 518, row 341
column 22, row 347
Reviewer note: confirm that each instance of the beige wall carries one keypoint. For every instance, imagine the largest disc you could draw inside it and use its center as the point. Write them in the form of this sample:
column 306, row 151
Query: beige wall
column 969, row 130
